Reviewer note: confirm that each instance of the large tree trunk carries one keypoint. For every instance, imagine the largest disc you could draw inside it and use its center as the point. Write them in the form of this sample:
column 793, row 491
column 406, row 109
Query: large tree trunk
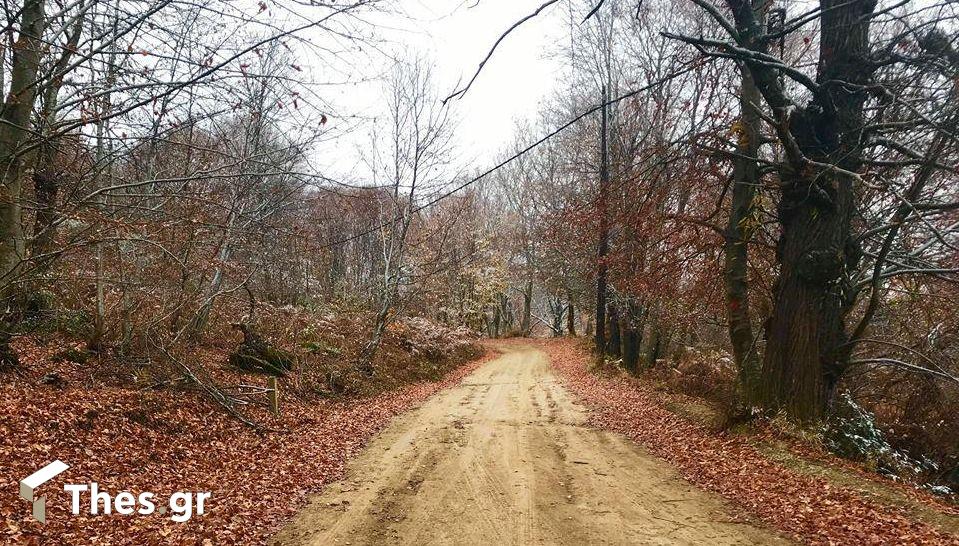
column 802, row 364
column 807, row 348
column 14, row 130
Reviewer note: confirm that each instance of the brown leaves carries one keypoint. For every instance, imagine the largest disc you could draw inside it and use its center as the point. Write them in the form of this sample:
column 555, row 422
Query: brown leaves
column 802, row 506
column 128, row 439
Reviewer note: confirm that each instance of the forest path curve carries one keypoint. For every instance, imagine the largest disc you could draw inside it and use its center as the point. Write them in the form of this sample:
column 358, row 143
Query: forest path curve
column 505, row 457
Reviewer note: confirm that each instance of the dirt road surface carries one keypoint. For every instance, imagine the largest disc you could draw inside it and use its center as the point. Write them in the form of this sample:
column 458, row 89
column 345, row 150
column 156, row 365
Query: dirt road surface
column 506, row 458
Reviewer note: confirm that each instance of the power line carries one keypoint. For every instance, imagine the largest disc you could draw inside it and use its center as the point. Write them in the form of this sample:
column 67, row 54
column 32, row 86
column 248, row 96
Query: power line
column 690, row 66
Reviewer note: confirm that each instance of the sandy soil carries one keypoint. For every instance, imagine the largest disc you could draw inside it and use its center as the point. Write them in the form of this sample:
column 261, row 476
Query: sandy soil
column 505, row 458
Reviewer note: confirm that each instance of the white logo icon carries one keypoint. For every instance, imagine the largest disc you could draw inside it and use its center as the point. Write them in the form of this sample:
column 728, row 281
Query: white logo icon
column 30, row 484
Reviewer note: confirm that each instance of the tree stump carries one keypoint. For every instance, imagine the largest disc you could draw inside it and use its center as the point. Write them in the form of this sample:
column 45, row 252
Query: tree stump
column 256, row 355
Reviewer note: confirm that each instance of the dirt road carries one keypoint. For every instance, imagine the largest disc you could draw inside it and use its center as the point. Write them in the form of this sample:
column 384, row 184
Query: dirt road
column 505, row 458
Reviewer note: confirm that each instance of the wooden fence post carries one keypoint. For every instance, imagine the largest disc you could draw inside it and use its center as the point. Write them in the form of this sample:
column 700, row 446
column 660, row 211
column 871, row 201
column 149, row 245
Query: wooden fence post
column 274, row 396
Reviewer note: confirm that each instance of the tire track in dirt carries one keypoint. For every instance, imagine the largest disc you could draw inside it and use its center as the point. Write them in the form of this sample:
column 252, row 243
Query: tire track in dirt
column 506, row 458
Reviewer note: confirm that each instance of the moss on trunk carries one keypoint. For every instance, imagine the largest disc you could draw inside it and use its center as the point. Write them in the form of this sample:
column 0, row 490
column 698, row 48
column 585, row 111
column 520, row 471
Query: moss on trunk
column 256, row 355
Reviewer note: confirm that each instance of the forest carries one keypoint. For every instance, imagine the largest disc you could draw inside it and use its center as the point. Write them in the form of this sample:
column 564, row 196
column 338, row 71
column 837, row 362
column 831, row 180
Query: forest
column 246, row 248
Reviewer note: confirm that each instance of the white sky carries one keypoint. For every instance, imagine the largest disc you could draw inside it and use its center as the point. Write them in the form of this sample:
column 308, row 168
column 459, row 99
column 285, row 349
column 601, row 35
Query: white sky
column 518, row 76
column 457, row 35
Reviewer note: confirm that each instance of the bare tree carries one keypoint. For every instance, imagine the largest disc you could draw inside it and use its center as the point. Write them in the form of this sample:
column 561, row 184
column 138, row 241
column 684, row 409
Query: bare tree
column 825, row 123
column 416, row 152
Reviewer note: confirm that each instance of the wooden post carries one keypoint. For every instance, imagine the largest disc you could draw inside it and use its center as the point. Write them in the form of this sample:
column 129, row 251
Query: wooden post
column 274, row 394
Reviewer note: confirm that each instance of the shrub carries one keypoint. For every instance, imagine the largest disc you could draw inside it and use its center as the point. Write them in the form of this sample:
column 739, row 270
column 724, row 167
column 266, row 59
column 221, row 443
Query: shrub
column 852, row 433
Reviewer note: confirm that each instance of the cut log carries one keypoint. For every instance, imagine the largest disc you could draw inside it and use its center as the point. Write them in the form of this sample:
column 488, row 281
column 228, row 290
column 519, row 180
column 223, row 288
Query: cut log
column 256, row 355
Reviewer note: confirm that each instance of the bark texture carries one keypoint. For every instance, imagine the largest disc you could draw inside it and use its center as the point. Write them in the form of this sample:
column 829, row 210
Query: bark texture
column 807, row 351
column 739, row 229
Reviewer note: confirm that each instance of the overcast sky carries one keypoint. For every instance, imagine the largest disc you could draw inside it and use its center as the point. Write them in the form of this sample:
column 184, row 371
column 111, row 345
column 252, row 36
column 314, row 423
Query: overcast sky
column 518, row 76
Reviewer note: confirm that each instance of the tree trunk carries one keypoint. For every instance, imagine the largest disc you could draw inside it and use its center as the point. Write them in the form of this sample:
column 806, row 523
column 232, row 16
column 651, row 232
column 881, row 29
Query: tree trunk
column 632, row 325
column 801, row 364
column 739, row 230
column 46, row 174
column 806, row 353
column 104, row 149
column 613, row 348
column 558, row 310
column 368, row 353
column 603, row 246
column 506, row 312
column 570, row 318
column 14, row 130
column 658, row 341
column 526, row 322
column 46, row 185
